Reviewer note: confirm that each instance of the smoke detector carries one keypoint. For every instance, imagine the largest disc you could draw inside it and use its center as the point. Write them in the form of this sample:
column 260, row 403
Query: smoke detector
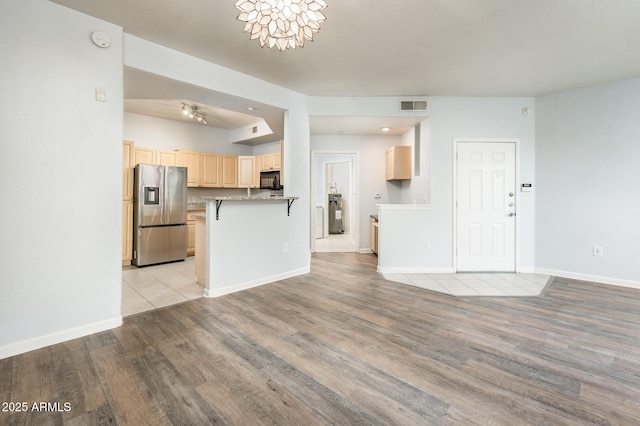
column 101, row 39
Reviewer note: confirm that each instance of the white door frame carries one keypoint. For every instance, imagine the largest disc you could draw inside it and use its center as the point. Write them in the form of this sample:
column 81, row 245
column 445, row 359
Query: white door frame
column 455, row 194
column 355, row 196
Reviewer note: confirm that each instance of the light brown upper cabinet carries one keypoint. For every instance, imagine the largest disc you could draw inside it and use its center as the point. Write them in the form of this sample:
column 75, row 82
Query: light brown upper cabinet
column 399, row 163
column 246, row 171
column 127, row 170
column 210, row 170
column 167, row 158
column 229, row 171
column 271, row 161
column 144, row 155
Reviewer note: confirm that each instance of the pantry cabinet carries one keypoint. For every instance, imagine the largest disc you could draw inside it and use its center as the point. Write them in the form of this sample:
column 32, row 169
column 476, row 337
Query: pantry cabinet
column 128, row 154
column 127, row 232
column 167, row 158
column 190, row 160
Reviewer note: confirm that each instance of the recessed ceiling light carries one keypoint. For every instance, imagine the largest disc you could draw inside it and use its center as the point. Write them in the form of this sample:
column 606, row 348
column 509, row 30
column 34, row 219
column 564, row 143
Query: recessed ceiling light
column 385, row 129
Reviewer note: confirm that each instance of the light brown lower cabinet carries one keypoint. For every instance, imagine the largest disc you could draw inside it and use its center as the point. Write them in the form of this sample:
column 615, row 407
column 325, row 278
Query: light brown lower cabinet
column 127, row 232
column 191, row 230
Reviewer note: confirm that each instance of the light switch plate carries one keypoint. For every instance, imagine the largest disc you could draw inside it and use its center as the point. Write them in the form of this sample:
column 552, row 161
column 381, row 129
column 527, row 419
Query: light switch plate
column 101, row 94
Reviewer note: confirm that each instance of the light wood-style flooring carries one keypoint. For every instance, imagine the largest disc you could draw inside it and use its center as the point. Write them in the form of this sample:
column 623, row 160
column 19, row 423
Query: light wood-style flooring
column 342, row 346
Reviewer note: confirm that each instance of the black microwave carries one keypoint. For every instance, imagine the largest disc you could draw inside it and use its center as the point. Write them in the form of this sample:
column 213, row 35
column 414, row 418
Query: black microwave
column 270, row 180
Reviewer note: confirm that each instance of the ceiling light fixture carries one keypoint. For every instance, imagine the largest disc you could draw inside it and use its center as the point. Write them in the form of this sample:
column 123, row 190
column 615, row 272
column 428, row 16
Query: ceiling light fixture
column 285, row 24
column 385, row 129
column 192, row 112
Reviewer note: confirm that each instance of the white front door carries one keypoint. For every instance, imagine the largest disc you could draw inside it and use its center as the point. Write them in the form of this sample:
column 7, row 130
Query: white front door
column 486, row 208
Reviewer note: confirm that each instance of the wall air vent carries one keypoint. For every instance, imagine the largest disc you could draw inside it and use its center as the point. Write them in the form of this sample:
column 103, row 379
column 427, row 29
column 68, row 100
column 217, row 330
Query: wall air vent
column 413, row 105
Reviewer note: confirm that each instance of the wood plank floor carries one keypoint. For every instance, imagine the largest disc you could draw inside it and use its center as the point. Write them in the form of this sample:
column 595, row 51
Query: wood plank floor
column 341, row 346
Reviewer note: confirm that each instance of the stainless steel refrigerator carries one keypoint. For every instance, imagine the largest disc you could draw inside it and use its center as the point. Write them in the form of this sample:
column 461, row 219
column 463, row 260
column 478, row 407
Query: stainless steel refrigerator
column 159, row 214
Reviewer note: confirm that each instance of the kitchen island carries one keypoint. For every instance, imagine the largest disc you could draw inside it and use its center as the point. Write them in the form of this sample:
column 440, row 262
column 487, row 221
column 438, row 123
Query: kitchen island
column 245, row 242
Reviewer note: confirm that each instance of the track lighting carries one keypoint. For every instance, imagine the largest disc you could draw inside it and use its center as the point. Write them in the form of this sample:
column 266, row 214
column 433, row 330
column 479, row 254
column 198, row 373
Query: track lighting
column 192, row 112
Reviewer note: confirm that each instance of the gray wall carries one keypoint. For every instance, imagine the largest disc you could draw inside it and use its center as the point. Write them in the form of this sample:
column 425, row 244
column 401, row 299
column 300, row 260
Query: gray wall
column 587, row 155
column 61, row 197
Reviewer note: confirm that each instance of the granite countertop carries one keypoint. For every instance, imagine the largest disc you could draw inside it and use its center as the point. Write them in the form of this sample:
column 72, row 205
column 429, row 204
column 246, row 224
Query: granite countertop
column 248, row 198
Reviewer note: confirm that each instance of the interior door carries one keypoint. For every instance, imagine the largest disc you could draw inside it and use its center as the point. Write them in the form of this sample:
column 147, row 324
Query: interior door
column 486, row 206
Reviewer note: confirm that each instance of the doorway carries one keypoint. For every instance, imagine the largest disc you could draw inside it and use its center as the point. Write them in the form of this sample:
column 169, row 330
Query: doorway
column 335, row 204
column 485, row 205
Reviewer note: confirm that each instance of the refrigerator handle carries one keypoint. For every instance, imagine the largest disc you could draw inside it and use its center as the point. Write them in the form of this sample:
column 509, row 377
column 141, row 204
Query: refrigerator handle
column 165, row 191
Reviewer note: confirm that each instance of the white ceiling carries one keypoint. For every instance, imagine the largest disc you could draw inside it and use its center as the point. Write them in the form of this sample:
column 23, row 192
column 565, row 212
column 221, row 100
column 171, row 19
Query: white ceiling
column 407, row 47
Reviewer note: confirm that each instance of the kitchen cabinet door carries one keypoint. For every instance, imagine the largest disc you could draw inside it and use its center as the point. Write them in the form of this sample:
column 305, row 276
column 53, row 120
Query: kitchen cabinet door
column 127, row 232
column 398, row 163
column 144, row 156
column 229, row 171
column 168, row 158
column 189, row 159
column 246, row 171
column 127, row 170
column 210, row 170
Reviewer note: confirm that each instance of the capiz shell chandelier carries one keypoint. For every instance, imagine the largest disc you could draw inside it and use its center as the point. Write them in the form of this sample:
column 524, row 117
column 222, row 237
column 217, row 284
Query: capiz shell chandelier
column 281, row 23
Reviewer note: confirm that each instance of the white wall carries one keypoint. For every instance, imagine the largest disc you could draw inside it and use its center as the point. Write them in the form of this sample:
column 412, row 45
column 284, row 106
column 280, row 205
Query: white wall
column 453, row 117
column 153, row 132
column 403, row 229
column 587, row 150
column 60, row 269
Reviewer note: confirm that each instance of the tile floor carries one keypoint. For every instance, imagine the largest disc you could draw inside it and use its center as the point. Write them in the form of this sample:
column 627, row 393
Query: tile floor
column 335, row 243
column 153, row 287
column 476, row 284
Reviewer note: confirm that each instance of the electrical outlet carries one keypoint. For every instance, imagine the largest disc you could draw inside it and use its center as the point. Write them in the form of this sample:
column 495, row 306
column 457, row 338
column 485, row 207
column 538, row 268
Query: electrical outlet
column 598, row 251
column 285, row 248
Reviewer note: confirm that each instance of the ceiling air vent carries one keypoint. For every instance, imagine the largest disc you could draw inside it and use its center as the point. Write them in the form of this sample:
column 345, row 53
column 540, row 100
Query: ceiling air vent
column 413, row 105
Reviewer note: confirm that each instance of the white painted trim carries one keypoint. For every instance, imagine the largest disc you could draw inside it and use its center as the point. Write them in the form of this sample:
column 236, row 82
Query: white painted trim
column 217, row 292
column 426, row 270
column 365, row 251
column 588, row 277
column 515, row 141
column 404, row 206
column 58, row 337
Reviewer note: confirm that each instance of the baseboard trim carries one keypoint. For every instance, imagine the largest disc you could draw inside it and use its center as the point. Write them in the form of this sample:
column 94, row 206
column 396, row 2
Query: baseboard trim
column 365, row 251
column 588, row 277
column 58, row 337
column 418, row 270
column 217, row 292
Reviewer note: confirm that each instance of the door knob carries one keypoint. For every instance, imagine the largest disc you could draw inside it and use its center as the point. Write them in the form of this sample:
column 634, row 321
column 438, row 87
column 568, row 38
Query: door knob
column 511, row 194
